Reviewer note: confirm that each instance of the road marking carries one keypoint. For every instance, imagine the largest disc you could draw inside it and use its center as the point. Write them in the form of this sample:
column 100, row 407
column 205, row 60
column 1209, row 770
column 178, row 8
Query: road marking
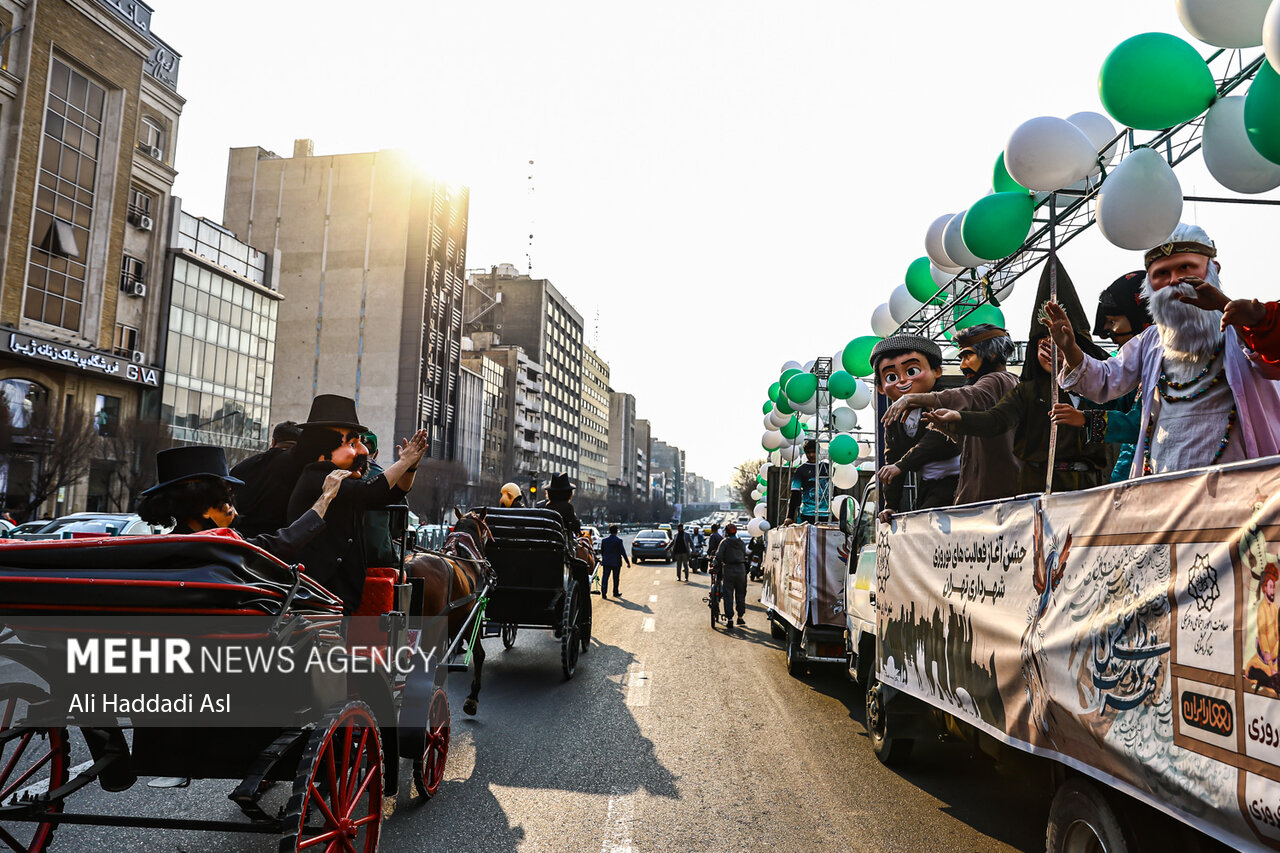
column 655, row 583
column 42, row 786
column 648, row 624
column 636, row 684
column 622, row 816
column 653, row 599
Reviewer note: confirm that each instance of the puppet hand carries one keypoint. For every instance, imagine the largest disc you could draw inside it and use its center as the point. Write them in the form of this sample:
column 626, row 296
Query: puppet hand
column 1064, row 414
column 1207, row 296
column 941, row 417
column 900, row 408
column 889, row 473
column 1243, row 312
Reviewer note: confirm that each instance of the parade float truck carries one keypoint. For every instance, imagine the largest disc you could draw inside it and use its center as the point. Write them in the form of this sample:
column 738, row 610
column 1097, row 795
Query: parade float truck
column 1124, row 639
column 803, row 593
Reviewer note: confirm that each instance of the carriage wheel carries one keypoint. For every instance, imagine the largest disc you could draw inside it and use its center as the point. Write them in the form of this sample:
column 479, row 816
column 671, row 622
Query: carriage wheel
column 508, row 636
column 31, row 760
column 569, row 632
column 337, row 795
column 584, row 636
column 428, row 768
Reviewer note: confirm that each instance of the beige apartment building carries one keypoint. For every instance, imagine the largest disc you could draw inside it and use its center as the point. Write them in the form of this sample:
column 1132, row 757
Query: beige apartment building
column 593, row 456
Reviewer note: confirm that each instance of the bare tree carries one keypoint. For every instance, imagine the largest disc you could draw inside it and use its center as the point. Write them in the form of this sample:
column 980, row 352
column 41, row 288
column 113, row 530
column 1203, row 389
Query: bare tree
column 68, row 448
column 132, row 446
column 743, row 482
column 439, row 485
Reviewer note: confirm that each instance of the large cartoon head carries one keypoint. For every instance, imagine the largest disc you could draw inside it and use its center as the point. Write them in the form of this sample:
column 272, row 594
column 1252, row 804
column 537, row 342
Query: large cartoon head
column 984, row 348
column 906, row 364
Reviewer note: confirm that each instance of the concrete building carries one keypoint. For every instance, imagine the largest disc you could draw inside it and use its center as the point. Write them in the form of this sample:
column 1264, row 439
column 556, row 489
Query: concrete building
column 593, row 451
column 622, row 445
column 666, row 466
column 523, row 385
column 372, row 264
column 644, row 435
column 89, row 114
column 532, row 314
column 220, row 339
column 470, row 430
column 496, row 413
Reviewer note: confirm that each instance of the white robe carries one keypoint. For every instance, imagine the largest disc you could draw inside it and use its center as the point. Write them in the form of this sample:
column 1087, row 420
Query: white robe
column 1140, row 361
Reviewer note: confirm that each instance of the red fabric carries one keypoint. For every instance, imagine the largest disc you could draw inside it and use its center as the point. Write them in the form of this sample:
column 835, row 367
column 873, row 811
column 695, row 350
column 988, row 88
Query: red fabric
column 379, row 598
column 1264, row 338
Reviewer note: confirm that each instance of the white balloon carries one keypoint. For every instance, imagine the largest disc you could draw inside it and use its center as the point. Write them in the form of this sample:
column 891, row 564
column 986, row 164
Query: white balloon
column 808, row 366
column 901, row 305
column 861, row 395
column 840, row 500
column 838, row 359
column 933, row 244
column 1100, row 131
column 844, row 419
column 1228, row 154
column 882, row 322
column 806, row 419
column 1047, row 153
column 768, row 420
column 789, row 453
column 757, row 527
column 940, row 277
column 1140, row 203
column 772, row 440
column 1224, row 23
column 775, row 458
column 954, row 243
column 755, row 495
column 808, row 407
column 866, row 451
column 790, row 365
column 1271, row 35
column 778, row 419
column 844, row 476
column 761, row 510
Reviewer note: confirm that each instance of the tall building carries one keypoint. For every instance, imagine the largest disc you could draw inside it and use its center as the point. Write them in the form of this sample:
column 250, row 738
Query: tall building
column 666, row 466
column 532, row 314
column 372, row 263
column 470, row 424
column 220, row 341
column 523, row 378
column 89, row 114
column 593, row 453
column 496, row 413
column 644, row 436
column 622, row 444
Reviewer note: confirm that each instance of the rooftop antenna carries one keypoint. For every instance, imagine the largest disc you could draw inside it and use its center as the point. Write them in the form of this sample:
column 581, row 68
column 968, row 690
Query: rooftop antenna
column 595, row 332
column 528, row 255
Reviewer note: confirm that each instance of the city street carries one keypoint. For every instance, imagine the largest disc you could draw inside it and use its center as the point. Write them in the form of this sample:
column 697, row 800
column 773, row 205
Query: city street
column 672, row 736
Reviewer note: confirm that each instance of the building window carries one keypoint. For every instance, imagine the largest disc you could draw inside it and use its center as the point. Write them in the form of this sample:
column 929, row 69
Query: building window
column 151, row 137
column 27, row 402
column 64, row 198
column 139, row 205
column 106, row 414
column 131, row 270
column 126, row 340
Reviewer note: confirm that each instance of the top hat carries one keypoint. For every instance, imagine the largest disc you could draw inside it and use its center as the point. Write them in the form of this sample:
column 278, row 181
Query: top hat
column 334, row 410
column 561, row 483
column 197, row 461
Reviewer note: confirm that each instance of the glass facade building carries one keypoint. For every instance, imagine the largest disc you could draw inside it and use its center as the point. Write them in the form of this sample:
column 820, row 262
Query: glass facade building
column 220, row 340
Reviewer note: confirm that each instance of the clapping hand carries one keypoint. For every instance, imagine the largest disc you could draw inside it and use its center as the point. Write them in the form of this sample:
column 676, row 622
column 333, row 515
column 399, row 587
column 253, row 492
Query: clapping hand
column 412, row 449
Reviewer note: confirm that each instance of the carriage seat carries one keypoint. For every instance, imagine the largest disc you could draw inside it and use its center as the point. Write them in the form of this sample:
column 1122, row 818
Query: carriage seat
column 529, row 548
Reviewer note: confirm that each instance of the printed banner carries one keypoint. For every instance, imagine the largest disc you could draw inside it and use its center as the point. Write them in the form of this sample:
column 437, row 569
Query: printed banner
column 805, row 567
column 1130, row 631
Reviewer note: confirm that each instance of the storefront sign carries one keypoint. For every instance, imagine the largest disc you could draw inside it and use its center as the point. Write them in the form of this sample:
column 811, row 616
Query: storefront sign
column 90, row 362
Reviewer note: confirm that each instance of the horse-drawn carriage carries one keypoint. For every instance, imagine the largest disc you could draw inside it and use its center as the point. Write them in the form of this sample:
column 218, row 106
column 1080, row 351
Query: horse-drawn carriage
column 335, row 732
column 540, row 581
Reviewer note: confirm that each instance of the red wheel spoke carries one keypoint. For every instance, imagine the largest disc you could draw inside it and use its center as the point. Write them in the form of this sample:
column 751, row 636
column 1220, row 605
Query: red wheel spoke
column 346, row 845
column 355, row 798
column 325, row 836
column 48, row 756
column 17, row 753
column 332, row 771
column 369, row 818
column 330, row 818
column 346, row 761
column 355, row 768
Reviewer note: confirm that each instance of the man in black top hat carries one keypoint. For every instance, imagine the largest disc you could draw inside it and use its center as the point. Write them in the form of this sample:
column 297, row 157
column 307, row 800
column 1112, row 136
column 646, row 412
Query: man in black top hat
column 331, row 440
column 559, row 495
column 194, row 494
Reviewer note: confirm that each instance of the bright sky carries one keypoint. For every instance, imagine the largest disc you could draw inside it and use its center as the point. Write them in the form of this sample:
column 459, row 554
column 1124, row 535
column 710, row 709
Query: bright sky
column 729, row 184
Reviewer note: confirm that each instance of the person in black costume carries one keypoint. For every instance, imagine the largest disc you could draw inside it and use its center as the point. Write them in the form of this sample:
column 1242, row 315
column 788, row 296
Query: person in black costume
column 559, row 499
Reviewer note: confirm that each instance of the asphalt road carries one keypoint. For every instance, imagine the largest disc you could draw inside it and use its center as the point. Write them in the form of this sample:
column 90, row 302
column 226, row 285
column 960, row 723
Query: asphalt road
column 671, row 737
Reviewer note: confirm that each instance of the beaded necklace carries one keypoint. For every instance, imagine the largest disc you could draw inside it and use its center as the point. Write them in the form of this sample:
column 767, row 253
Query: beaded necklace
column 1222, row 445
column 1199, row 392
column 1182, row 386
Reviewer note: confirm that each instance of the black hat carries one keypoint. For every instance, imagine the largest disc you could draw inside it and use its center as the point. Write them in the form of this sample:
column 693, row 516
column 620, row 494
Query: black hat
column 561, row 483
column 334, row 410
column 1069, row 300
column 191, row 463
column 1124, row 299
column 898, row 344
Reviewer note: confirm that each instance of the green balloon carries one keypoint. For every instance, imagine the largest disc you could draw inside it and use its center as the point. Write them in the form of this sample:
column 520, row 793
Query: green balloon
column 760, row 478
column 857, row 355
column 843, row 449
column 783, row 406
column 1003, row 182
column 1155, row 80
column 801, row 388
column 982, row 314
column 842, row 385
column 785, row 378
column 768, row 407
column 1262, row 113
column 996, row 226
column 774, row 390
column 920, row 283
column 792, row 428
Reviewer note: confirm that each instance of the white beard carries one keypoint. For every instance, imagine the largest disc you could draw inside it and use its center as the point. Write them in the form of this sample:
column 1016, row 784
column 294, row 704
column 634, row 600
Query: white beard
column 1189, row 334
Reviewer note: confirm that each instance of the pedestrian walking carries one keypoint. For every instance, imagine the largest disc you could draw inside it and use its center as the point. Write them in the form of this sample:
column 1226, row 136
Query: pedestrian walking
column 731, row 560
column 612, row 555
column 681, row 550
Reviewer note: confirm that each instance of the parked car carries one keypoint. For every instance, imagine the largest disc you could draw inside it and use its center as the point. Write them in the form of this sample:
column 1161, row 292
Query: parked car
column 28, row 527
column 651, row 545
column 86, row 524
